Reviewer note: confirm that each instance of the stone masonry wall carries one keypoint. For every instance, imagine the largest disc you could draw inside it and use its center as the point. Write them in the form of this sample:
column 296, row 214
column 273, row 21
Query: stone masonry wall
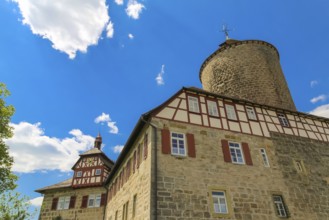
column 308, row 189
column 139, row 184
column 248, row 70
column 185, row 183
column 69, row 214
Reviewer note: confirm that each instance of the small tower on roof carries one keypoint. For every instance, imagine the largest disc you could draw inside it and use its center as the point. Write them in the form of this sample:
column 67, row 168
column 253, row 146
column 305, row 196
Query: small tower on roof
column 98, row 141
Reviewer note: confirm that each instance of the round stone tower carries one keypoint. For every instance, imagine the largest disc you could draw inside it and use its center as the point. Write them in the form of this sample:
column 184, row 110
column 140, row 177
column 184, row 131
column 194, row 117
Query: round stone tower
column 248, row 70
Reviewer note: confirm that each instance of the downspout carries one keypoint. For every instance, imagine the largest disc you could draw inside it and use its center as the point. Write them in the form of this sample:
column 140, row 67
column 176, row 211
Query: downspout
column 154, row 186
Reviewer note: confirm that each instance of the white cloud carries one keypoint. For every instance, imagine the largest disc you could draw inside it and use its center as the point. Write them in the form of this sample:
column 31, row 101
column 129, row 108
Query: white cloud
column 313, row 83
column 37, row 202
column 109, row 30
column 71, row 26
column 322, row 110
column 159, row 79
column 134, row 8
column 117, row 149
column 105, row 118
column 318, row 98
column 131, row 36
column 34, row 151
column 119, row 2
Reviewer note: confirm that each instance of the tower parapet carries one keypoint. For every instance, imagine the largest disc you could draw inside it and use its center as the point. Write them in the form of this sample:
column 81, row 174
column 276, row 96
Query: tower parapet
column 248, row 70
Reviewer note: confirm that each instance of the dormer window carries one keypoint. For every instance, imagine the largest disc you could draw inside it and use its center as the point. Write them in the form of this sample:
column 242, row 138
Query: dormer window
column 98, row 172
column 79, row 174
column 193, row 104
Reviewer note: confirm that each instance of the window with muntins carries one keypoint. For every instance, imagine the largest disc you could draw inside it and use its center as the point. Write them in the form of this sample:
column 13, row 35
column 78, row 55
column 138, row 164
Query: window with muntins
column 79, row 174
column 212, row 108
column 63, row 202
column 251, row 113
column 264, row 157
column 280, row 206
column 94, row 200
column 193, row 104
column 178, row 144
column 283, row 120
column 230, row 112
column 98, row 172
column 236, row 153
column 219, row 202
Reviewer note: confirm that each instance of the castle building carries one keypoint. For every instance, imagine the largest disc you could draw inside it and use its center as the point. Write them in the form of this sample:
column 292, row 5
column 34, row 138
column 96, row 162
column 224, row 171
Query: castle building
column 236, row 149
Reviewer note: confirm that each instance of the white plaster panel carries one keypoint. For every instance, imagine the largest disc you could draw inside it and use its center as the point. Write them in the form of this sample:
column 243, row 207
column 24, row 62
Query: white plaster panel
column 242, row 116
column 92, row 179
column 311, row 135
column 288, row 131
column 295, row 130
column 279, row 128
column 183, row 104
column 272, row 127
column 318, row 136
column 324, row 137
column 205, row 120
column 275, row 120
column 98, row 179
column 239, row 107
column 258, row 110
column 182, row 95
column 174, row 103
column 255, row 128
column 234, row 126
column 264, row 128
column 318, row 123
column 166, row 113
column 245, row 127
column 307, row 127
column 326, row 131
column 195, row 119
column 220, row 103
column 309, row 121
column 267, row 118
column 300, row 125
column 261, row 117
column 181, row 115
column 292, row 123
column 313, row 128
column 290, row 117
column 222, row 112
column 272, row 113
column 225, row 126
column 202, row 99
column 321, row 130
column 302, row 133
column 203, row 108
column 215, row 122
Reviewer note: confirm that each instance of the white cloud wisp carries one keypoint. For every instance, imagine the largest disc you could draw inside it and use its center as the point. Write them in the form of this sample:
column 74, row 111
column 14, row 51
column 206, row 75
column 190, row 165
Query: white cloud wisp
column 134, row 9
column 130, row 36
column 34, row 151
column 119, row 2
column 319, row 98
column 313, row 83
column 37, row 202
column 71, row 26
column 117, row 149
column 159, row 79
column 322, row 111
column 105, row 118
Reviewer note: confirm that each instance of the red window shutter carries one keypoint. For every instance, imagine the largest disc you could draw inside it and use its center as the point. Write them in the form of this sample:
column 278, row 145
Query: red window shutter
column 103, row 199
column 247, row 155
column 190, row 145
column 145, row 145
column 84, row 202
column 165, row 136
column 54, row 204
column 226, row 151
column 72, row 202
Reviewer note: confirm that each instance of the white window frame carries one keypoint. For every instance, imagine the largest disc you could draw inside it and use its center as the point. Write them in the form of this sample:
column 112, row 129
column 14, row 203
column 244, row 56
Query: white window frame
column 230, row 112
column 251, row 113
column 63, row 202
column 283, row 120
column 94, row 200
column 280, row 206
column 193, row 104
column 236, row 152
column 178, row 141
column 212, row 108
column 264, row 157
column 219, row 202
column 79, row 174
column 98, row 172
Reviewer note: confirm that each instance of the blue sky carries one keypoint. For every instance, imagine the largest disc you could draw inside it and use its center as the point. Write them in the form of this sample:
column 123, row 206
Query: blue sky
column 76, row 69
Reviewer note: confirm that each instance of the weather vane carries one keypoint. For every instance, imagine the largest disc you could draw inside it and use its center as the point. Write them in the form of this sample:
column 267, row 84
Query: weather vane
column 225, row 30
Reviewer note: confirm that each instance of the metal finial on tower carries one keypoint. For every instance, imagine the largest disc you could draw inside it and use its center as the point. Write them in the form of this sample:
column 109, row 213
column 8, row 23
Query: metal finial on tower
column 225, row 30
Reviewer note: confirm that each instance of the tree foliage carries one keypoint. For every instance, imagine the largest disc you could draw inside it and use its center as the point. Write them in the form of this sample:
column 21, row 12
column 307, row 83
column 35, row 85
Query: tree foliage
column 7, row 178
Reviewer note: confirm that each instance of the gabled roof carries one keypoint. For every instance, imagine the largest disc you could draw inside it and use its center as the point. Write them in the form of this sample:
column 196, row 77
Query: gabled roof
column 95, row 151
column 63, row 184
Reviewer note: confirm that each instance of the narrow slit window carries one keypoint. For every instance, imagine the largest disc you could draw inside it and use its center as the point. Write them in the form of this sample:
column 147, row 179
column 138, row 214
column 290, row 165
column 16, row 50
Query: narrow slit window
column 264, row 157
